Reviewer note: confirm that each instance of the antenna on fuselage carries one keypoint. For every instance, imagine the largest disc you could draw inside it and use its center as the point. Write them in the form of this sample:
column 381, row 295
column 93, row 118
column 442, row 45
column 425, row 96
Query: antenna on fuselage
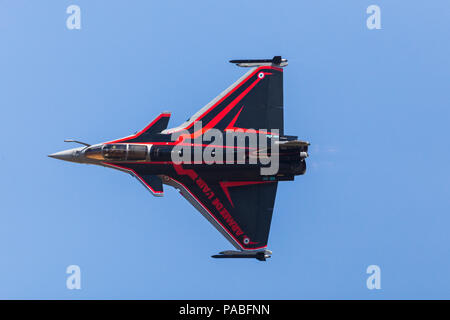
column 76, row 141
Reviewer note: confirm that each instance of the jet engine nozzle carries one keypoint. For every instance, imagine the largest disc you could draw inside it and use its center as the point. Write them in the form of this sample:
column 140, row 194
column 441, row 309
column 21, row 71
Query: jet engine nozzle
column 303, row 154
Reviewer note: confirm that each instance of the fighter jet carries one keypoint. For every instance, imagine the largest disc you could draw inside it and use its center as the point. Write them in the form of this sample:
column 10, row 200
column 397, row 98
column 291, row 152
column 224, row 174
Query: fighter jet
column 231, row 182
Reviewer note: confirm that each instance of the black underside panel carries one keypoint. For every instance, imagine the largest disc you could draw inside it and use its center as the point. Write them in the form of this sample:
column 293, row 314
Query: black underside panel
column 254, row 103
column 153, row 182
column 241, row 210
column 262, row 108
column 253, row 206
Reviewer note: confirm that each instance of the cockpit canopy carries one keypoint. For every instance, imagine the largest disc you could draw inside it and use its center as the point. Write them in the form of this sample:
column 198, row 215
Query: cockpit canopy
column 117, row 152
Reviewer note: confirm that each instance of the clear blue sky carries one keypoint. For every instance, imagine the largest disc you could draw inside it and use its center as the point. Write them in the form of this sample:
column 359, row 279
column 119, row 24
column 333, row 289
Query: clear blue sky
column 375, row 105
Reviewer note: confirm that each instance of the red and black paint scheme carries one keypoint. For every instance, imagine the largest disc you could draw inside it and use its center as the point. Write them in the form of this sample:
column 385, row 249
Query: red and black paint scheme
column 236, row 198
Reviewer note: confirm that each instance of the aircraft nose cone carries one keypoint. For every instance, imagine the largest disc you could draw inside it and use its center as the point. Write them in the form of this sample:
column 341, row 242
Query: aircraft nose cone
column 62, row 155
column 67, row 155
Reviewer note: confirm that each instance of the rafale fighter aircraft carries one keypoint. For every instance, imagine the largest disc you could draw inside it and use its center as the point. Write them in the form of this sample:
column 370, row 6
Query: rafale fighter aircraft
column 236, row 196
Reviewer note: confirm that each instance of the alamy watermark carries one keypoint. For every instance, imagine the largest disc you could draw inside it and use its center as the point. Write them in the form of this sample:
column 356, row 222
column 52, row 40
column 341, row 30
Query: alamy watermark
column 374, row 20
column 374, row 280
column 73, row 281
column 231, row 146
column 74, row 20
